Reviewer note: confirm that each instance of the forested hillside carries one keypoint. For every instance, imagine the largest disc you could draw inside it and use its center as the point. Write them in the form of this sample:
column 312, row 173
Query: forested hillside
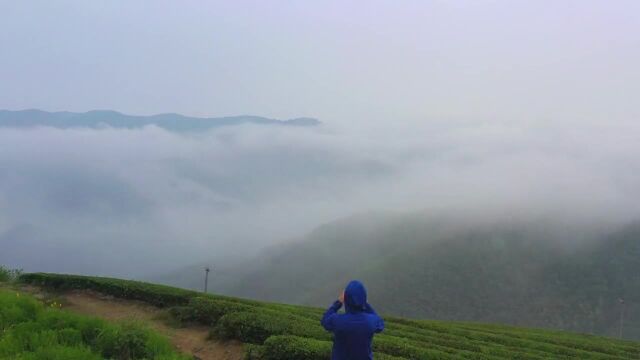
column 523, row 273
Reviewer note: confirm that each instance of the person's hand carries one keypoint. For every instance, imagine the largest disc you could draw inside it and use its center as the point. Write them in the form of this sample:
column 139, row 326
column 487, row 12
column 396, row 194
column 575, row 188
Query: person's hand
column 341, row 297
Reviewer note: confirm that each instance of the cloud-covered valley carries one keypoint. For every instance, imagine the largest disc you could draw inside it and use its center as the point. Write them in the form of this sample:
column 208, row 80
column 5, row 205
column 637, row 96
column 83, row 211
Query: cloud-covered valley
column 129, row 202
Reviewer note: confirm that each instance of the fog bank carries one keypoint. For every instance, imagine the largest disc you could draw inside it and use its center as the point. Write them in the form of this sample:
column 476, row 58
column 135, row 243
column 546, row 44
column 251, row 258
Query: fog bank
column 129, row 202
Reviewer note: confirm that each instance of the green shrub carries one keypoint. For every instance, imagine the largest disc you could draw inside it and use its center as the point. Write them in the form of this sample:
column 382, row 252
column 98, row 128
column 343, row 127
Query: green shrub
column 253, row 352
column 404, row 348
column 9, row 275
column 247, row 327
column 69, row 337
column 16, row 308
column 58, row 352
column 123, row 343
column 159, row 295
column 379, row 356
column 178, row 316
column 208, row 310
column 256, row 327
column 296, row 348
column 286, row 347
column 29, row 330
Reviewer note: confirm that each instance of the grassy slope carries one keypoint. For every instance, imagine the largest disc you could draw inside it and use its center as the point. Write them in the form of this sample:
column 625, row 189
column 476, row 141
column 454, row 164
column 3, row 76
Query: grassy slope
column 32, row 330
column 293, row 332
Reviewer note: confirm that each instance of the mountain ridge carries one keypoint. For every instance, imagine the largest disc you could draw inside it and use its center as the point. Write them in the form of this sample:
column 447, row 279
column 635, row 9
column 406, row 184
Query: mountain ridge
column 110, row 118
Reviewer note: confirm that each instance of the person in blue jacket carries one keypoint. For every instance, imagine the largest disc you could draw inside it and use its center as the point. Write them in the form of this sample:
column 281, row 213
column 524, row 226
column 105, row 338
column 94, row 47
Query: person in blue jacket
column 353, row 331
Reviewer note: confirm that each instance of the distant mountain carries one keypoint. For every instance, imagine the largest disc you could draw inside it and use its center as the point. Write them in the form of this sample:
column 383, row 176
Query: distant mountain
column 524, row 273
column 107, row 118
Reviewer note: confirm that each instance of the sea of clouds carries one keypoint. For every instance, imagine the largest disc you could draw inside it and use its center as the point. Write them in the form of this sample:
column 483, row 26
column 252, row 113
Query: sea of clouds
column 133, row 202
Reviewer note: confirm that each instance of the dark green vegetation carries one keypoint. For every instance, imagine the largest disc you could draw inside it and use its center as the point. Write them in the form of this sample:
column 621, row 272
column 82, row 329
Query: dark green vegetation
column 100, row 118
column 533, row 274
column 8, row 275
column 31, row 330
column 284, row 332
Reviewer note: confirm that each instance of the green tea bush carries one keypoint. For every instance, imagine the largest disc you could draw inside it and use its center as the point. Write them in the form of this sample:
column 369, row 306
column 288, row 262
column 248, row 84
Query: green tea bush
column 59, row 352
column 294, row 348
column 209, row 310
column 176, row 316
column 256, row 327
column 379, row 356
column 253, row 352
column 157, row 295
column 287, row 347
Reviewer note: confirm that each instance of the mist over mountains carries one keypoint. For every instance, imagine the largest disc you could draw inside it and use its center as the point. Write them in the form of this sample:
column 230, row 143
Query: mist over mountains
column 138, row 201
column 509, row 222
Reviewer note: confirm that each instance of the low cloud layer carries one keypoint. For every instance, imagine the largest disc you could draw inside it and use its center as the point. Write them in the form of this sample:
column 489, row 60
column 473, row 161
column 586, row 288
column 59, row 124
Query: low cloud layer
column 134, row 202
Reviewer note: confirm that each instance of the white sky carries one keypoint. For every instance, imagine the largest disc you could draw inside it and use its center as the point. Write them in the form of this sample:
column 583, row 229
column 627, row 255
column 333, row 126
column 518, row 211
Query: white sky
column 351, row 63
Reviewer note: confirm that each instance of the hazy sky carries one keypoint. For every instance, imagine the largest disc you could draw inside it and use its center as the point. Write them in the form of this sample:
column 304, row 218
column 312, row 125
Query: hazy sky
column 488, row 106
column 349, row 63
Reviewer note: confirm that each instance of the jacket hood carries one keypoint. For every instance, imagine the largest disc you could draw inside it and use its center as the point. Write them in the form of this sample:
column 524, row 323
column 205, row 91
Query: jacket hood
column 355, row 296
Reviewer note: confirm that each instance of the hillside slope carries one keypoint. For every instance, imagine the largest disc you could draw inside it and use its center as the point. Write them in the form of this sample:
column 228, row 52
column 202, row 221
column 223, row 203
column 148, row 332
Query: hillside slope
column 192, row 340
column 277, row 331
column 522, row 273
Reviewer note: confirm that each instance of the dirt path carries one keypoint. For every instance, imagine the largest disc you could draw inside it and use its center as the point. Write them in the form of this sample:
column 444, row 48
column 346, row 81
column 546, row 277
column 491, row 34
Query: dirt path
column 189, row 340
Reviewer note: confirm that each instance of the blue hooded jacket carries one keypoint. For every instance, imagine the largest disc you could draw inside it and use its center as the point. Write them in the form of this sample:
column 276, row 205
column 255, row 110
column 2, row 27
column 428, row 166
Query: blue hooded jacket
column 353, row 331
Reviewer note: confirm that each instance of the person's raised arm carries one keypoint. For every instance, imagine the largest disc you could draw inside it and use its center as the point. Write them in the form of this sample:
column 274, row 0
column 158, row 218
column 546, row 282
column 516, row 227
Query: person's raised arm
column 379, row 325
column 327, row 318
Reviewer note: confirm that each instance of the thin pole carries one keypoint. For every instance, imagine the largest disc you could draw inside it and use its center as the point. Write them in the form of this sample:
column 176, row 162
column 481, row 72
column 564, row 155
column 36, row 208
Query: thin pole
column 206, row 279
column 621, row 316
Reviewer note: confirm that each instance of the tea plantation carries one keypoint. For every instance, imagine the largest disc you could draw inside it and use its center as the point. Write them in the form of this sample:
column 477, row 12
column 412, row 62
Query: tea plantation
column 285, row 332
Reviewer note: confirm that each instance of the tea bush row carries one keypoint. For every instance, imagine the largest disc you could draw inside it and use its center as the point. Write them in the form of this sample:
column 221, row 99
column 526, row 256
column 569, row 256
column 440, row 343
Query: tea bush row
column 278, row 326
